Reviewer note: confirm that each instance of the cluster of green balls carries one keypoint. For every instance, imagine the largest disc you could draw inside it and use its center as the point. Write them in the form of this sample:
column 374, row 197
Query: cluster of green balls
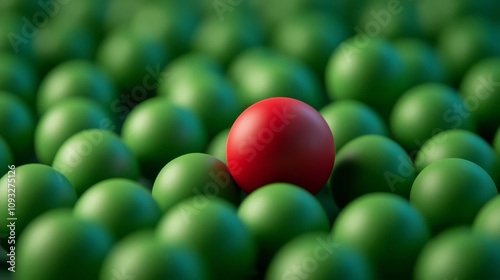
column 114, row 117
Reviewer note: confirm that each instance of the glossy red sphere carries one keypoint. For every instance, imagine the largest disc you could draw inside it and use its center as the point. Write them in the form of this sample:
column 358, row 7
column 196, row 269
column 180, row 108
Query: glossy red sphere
column 280, row 140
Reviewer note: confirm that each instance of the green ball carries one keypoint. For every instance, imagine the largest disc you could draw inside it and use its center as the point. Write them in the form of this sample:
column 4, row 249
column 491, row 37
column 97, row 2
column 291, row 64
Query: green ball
column 141, row 256
column 58, row 245
column 77, row 78
column 33, row 189
column 157, row 131
column 310, row 38
column 316, row 256
column 211, row 228
column 93, row 155
column 188, row 63
column 462, row 144
column 58, row 124
column 325, row 198
column 427, row 109
column 466, row 41
column 434, row 16
column 171, row 22
column 450, row 192
column 205, row 93
column 6, row 157
column 261, row 73
column 130, row 58
column 386, row 229
column 370, row 163
column 486, row 221
column 279, row 212
column 19, row 77
column 217, row 146
column 459, row 253
column 354, row 71
column 422, row 63
column 67, row 42
column 122, row 206
column 17, row 125
column 224, row 40
column 349, row 119
column 480, row 89
column 194, row 174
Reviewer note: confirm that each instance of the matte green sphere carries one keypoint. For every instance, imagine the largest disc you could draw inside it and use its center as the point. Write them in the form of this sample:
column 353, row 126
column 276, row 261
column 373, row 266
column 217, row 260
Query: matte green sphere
column 459, row 253
column 261, row 73
column 19, row 77
column 17, row 125
column 217, row 146
column 59, row 123
column 317, row 256
column 368, row 70
column 194, row 174
column 386, row 229
column 424, row 111
column 142, row 256
column 422, row 63
column 189, row 62
column 450, row 192
column 279, row 212
column 6, row 158
column 32, row 189
column 487, row 221
column 462, row 144
column 93, row 155
column 122, row 206
column 480, row 90
column 224, row 40
column 370, row 163
column 76, row 78
column 310, row 38
column 59, row 246
column 349, row 119
column 211, row 228
column 158, row 131
column 205, row 93
column 128, row 58
column 465, row 41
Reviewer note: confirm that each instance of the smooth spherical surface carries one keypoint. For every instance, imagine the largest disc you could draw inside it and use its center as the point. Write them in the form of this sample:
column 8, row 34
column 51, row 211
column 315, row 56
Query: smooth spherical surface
column 19, row 77
column 261, row 73
column 59, row 123
column 93, row 155
column 76, row 78
column 157, row 131
column 6, row 158
column 480, row 90
column 277, row 213
column 77, row 248
column 386, row 229
column 369, row 71
column 17, row 125
column 450, row 192
column 316, row 256
column 424, row 111
column 487, row 221
column 142, row 256
column 371, row 163
column 218, row 144
column 31, row 190
column 349, row 119
column 462, row 144
column 459, row 253
column 122, row 206
column 194, row 174
column 211, row 227
column 280, row 140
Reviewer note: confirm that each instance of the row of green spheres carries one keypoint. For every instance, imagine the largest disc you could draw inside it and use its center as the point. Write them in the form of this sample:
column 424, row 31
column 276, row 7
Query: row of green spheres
column 117, row 129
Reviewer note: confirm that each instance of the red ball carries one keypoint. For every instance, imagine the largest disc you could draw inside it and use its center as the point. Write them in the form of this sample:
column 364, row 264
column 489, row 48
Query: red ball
column 280, row 140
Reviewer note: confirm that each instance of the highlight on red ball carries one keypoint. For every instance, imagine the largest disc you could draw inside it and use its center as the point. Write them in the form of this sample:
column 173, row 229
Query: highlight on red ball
column 280, row 140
